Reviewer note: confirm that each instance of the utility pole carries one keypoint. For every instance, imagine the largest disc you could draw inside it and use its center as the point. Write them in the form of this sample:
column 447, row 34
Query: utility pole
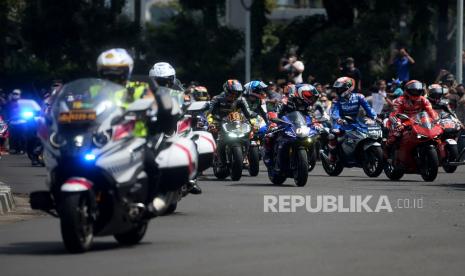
column 459, row 47
column 247, row 49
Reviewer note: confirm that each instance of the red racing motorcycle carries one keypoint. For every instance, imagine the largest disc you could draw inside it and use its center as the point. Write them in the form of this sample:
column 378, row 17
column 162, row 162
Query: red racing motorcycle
column 417, row 150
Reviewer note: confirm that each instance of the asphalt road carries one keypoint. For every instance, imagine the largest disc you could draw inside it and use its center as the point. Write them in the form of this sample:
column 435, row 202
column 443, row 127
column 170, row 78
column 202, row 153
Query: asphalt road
column 225, row 231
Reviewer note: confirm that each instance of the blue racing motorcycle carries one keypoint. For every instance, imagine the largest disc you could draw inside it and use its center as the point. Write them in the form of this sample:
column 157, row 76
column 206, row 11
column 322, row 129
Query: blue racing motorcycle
column 295, row 136
column 360, row 146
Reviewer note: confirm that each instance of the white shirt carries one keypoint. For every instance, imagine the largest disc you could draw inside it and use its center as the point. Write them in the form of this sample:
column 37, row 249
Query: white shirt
column 378, row 101
column 300, row 67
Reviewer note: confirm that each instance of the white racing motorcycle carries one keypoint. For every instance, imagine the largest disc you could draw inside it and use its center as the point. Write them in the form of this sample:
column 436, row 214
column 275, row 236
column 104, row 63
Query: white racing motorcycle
column 97, row 175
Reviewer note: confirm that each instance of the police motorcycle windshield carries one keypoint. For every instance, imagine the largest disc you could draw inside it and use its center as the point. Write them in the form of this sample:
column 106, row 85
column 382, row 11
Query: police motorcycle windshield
column 82, row 116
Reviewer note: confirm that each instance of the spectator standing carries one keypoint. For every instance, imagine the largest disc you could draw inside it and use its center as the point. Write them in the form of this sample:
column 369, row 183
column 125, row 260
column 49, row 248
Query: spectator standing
column 293, row 68
column 378, row 99
column 348, row 69
column 402, row 60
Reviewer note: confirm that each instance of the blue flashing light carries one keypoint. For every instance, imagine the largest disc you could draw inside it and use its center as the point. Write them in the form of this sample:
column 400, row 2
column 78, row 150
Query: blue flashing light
column 27, row 114
column 89, row 157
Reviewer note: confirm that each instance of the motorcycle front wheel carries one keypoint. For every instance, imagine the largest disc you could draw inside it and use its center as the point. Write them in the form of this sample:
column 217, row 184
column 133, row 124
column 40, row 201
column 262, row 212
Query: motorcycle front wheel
column 301, row 168
column 452, row 155
column 236, row 163
column 332, row 169
column 429, row 165
column 372, row 163
column 254, row 160
column 76, row 222
column 311, row 157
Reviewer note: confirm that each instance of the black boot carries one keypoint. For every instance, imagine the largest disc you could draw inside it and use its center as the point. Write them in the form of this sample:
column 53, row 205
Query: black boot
column 195, row 189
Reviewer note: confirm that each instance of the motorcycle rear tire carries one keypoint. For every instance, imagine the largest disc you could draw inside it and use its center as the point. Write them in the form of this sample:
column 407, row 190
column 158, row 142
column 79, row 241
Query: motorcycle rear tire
column 76, row 223
column 133, row 236
column 373, row 152
column 236, row 163
column 301, row 168
column 430, row 164
column 452, row 155
column 220, row 173
column 277, row 178
column 254, row 161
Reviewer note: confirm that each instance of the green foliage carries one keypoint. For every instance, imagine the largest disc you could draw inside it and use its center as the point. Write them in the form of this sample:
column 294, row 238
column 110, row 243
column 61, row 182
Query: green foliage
column 197, row 52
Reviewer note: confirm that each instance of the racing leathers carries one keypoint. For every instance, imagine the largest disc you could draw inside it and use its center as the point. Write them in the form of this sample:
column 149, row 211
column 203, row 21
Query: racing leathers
column 220, row 107
column 293, row 104
column 410, row 107
column 346, row 107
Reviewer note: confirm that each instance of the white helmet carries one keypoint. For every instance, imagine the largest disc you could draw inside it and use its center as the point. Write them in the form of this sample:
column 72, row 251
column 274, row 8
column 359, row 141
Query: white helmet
column 115, row 63
column 163, row 73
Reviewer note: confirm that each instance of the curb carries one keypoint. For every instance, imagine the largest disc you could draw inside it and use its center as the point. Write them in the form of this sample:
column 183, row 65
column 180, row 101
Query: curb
column 7, row 202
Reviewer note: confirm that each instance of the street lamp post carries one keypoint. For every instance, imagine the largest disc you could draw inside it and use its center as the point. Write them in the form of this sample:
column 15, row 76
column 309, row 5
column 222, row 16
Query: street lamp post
column 247, row 46
column 459, row 47
column 247, row 4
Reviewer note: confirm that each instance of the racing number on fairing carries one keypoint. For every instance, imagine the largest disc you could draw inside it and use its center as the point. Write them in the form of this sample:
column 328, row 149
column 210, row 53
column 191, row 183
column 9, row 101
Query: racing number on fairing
column 234, row 116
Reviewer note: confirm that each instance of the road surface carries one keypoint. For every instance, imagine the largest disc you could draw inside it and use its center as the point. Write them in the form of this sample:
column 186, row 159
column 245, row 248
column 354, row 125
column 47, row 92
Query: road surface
column 225, row 231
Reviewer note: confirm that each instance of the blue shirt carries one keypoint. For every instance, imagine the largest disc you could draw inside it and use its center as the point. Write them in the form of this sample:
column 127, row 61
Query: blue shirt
column 351, row 107
column 402, row 66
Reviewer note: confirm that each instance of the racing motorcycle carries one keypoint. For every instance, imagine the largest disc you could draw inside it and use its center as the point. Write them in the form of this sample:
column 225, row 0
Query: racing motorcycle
column 448, row 148
column 295, row 136
column 96, row 167
column 417, row 151
column 234, row 134
column 259, row 128
column 29, row 115
column 360, row 146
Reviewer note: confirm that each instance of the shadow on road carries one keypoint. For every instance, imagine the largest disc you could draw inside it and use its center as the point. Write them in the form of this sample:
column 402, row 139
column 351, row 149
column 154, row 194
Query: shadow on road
column 260, row 185
column 385, row 180
column 53, row 248
column 455, row 186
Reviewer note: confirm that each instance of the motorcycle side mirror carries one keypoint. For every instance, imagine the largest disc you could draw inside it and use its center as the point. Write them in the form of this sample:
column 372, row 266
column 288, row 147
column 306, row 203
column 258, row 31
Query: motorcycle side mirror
column 403, row 117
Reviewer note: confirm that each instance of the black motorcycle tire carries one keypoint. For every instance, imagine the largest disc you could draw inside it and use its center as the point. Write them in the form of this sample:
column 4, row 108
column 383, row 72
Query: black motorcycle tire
column 133, row 236
column 373, row 153
column 254, row 160
column 277, row 179
column 311, row 157
column 236, row 163
column 171, row 209
column 220, row 173
column 430, row 164
column 332, row 169
column 452, row 155
column 392, row 172
column 301, row 168
column 76, row 222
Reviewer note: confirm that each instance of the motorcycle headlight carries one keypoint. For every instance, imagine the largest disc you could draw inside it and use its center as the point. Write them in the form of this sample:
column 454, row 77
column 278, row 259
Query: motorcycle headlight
column 56, row 140
column 101, row 139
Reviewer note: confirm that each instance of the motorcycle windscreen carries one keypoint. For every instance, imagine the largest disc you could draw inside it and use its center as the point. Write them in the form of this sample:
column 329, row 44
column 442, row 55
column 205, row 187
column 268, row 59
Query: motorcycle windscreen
column 82, row 114
column 87, row 101
column 296, row 118
column 424, row 120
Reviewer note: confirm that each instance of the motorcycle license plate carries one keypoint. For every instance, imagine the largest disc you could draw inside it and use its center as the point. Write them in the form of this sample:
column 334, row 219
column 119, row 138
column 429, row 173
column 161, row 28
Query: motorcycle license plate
column 77, row 116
